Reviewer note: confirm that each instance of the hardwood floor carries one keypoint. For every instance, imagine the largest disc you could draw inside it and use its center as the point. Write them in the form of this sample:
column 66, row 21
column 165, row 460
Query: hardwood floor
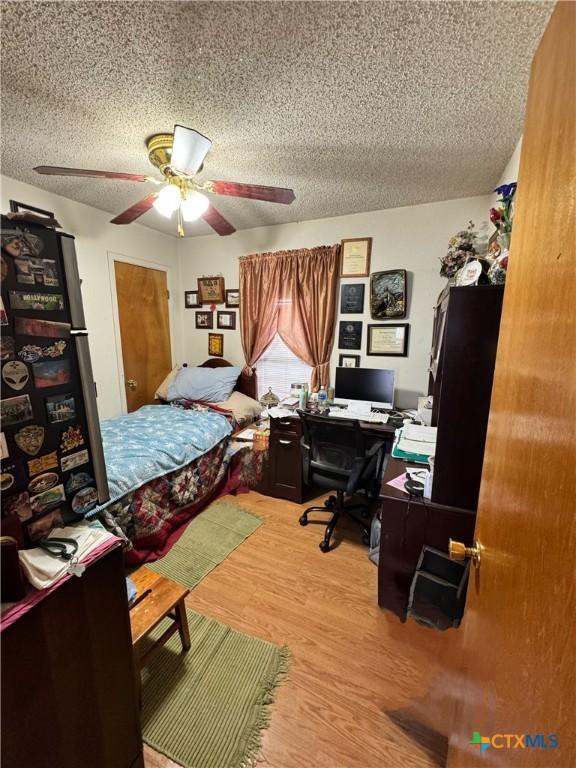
column 358, row 693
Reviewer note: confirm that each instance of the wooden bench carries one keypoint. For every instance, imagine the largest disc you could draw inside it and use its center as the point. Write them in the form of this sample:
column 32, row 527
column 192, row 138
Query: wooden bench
column 158, row 598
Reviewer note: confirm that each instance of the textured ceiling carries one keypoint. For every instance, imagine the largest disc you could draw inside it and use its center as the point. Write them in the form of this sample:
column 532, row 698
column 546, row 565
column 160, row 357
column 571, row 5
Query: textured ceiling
column 357, row 106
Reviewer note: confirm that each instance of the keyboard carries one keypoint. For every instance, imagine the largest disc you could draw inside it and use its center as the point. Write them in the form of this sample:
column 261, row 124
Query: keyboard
column 343, row 413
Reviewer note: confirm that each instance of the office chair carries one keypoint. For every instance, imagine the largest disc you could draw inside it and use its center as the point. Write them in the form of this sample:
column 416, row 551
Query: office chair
column 338, row 455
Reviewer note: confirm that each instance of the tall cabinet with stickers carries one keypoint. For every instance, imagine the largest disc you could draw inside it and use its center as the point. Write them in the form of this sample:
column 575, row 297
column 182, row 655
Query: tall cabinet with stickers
column 52, row 467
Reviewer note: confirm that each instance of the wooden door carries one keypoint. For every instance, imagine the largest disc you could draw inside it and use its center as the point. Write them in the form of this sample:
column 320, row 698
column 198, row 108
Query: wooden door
column 145, row 330
column 519, row 658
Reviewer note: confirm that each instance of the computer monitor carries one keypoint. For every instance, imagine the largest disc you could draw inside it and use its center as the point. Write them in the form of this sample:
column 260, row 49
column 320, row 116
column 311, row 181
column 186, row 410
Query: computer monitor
column 360, row 386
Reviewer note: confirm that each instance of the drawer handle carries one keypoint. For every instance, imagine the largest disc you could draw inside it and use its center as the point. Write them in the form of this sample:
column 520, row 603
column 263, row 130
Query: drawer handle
column 285, row 423
column 285, row 442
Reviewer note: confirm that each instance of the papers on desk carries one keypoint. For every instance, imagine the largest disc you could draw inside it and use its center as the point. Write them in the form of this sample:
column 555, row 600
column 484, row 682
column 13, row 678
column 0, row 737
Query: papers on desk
column 247, row 435
column 276, row 412
column 414, row 443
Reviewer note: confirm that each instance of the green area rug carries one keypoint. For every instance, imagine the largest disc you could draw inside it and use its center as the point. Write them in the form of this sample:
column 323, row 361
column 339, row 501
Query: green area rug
column 207, row 708
column 207, row 541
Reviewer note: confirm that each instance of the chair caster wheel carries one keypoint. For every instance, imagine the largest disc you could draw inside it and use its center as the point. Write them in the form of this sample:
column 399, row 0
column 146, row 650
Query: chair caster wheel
column 324, row 546
column 303, row 520
column 366, row 539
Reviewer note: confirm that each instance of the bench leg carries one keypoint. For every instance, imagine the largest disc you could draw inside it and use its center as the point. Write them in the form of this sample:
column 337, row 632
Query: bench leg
column 182, row 621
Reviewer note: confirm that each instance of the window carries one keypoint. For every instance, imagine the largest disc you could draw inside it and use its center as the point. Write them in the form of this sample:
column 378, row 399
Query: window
column 279, row 368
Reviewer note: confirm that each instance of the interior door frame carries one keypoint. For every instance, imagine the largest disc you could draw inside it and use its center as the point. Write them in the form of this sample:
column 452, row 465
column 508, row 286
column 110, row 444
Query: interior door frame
column 170, row 276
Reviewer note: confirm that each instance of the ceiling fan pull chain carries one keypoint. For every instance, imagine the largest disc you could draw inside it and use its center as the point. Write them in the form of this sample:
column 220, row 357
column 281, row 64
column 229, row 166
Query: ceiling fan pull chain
column 180, row 227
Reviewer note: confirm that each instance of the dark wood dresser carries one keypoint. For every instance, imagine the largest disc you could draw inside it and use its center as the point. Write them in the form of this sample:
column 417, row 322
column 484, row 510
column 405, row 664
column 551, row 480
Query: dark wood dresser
column 68, row 681
column 462, row 359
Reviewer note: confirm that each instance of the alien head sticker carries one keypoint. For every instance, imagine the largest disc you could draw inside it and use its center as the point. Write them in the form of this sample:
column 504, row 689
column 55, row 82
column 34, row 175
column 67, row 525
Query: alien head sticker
column 15, row 374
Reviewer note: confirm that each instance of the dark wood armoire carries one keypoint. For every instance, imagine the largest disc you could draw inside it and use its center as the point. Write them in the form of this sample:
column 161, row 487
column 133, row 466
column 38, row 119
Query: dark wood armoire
column 462, row 359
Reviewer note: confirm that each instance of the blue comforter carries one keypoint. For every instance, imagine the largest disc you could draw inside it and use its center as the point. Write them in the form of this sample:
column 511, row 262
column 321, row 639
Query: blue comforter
column 155, row 440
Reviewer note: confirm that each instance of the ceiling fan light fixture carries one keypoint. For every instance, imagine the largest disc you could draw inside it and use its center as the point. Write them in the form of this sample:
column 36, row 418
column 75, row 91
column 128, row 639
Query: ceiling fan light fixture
column 194, row 205
column 168, row 200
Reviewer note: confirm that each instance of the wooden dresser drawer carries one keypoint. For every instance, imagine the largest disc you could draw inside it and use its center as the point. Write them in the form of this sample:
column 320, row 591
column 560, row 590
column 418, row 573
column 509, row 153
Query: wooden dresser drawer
column 291, row 425
column 286, row 463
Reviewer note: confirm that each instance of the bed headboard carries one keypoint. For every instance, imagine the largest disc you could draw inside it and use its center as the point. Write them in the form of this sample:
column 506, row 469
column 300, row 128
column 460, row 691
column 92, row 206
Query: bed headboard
column 246, row 384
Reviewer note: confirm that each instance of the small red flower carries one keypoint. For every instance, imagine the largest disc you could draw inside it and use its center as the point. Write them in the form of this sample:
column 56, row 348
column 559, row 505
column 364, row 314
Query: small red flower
column 212, row 307
column 495, row 215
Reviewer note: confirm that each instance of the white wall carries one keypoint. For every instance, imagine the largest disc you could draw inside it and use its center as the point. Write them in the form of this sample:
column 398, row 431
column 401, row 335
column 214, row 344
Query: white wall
column 95, row 237
column 412, row 238
column 510, row 173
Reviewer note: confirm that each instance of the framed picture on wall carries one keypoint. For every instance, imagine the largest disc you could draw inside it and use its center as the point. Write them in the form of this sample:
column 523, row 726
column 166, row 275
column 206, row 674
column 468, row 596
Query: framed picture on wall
column 233, row 297
column 352, row 299
column 216, row 344
column 391, row 340
column 388, row 294
column 204, row 320
column 355, row 257
column 350, row 334
column 191, row 299
column 349, row 361
column 226, row 320
column 211, row 290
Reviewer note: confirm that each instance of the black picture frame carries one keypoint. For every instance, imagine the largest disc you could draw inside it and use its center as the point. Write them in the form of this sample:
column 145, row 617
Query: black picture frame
column 355, row 358
column 388, row 294
column 394, row 349
column 204, row 320
column 232, row 298
column 352, row 298
column 221, row 315
column 350, row 334
column 191, row 299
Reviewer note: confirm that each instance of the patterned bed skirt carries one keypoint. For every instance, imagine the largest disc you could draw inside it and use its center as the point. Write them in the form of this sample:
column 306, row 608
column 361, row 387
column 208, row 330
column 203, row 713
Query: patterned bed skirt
column 145, row 518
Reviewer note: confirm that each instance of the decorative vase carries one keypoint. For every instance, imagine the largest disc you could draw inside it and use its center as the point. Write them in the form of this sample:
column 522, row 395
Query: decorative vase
column 498, row 268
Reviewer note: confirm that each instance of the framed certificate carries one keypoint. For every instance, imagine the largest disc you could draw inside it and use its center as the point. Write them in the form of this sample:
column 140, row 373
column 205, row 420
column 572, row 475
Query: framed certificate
column 388, row 340
column 355, row 257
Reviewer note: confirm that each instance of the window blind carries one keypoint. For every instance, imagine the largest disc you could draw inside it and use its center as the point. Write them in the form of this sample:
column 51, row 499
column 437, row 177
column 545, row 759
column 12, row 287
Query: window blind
column 279, row 368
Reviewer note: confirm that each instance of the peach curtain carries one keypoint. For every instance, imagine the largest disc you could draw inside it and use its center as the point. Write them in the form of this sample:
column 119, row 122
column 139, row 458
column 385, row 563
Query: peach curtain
column 292, row 293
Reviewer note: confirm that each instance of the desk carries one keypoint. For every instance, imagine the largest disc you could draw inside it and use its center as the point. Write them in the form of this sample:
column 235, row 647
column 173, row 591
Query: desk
column 408, row 523
column 281, row 473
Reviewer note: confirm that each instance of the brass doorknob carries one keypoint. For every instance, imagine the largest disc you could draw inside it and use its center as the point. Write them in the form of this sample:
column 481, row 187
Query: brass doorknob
column 131, row 383
column 459, row 551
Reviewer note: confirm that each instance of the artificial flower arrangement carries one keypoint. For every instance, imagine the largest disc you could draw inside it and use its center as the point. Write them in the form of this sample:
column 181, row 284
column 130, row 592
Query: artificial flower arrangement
column 502, row 217
column 461, row 248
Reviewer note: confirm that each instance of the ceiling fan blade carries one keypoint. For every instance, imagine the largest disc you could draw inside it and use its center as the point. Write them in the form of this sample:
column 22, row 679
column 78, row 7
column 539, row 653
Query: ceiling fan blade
column 54, row 170
column 253, row 191
column 219, row 224
column 188, row 150
column 136, row 210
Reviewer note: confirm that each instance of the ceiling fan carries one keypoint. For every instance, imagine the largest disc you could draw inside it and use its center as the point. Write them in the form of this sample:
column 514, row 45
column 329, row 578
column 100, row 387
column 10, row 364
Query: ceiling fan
column 179, row 156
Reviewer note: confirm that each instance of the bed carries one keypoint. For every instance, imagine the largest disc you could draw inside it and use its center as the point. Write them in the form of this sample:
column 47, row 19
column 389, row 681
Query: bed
column 164, row 465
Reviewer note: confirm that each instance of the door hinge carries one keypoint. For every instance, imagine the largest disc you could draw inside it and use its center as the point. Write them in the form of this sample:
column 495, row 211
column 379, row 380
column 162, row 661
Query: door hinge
column 168, row 295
